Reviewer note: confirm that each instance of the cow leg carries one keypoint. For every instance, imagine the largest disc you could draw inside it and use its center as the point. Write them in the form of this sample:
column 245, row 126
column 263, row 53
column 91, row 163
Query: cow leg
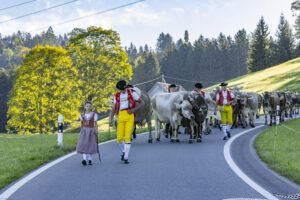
column 251, row 118
column 167, row 130
column 149, row 129
column 281, row 116
column 204, row 129
column 172, row 136
column 133, row 132
column 199, row 132
column 210, row 121
column 208, row 129
column 234, row 124
column 191, row 134
column 176, row 134
column 244, row 120
column 216, row 122
column 157, row 127
column 266, row 117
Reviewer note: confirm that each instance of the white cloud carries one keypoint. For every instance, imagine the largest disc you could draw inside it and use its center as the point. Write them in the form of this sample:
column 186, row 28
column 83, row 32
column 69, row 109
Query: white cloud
column 178, row 10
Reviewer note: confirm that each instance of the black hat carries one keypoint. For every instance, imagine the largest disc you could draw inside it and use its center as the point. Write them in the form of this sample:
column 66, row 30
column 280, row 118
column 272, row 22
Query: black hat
column 223, row 84
column 172, row 86
column 121, row 85
column 198, row 85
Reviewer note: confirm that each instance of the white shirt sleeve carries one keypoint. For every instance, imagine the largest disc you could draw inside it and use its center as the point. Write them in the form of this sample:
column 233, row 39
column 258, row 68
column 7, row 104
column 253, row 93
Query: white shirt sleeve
column 135, row 96
column 217, row 97
column 95, row 117
column 80, row 118
column 115, row 100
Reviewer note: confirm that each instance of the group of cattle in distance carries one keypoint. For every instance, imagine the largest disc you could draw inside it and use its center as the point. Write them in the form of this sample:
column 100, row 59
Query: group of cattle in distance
column 193, row 112
column 249, row 104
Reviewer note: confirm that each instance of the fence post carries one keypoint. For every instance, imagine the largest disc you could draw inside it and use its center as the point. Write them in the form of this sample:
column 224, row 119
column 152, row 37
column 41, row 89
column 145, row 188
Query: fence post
column 60, row 131
column 277, row 115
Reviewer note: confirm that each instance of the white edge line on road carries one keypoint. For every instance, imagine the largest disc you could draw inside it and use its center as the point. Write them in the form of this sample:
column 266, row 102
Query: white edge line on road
column 12, row 189
column 239, row 172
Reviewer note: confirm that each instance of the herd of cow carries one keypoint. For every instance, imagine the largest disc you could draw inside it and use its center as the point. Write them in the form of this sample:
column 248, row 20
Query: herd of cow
column 194, row 112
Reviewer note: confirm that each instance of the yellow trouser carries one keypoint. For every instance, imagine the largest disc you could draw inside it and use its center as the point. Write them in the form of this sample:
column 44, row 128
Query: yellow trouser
column 125, row 126
column 226, row 114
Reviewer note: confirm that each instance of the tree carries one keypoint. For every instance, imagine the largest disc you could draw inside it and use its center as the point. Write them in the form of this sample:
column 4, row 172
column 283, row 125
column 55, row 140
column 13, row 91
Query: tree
column 285, row 41
column 49, row 38
column 295, row 8
column 132, row 53
column 146, row 68
column 45, row 86
column 164, row 41
column 5, row 57
column 101, row 63
column 186, row 36
column 5, row 86
column 240, row 54
column 259, row 48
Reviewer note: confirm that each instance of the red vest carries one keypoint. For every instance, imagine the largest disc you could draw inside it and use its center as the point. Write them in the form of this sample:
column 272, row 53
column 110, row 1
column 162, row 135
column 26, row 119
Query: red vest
column 221, row 98
column 202, row 92
column 131, row 101
column 87, row 123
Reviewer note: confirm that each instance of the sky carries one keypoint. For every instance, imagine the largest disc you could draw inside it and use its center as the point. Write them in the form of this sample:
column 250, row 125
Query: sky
column 142, row 22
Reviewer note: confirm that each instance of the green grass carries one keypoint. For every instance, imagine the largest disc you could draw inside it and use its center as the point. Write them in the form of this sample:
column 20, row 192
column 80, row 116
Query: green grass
column 281, row 149
column 21, row 154
column 285, row 76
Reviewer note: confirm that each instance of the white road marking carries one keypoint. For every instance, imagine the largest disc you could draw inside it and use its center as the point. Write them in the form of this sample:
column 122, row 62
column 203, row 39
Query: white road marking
column 239, row 172
column 244, row 199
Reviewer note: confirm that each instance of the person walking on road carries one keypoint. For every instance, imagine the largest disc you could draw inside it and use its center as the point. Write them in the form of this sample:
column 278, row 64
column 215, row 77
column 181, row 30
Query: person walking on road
column 198, row 89
column 125, row 107
column 225, row 99
column 172, row 88
column 87, row 141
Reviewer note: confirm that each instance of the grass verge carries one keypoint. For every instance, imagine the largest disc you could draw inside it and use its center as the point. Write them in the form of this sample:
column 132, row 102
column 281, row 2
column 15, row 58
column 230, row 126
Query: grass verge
column 279, row 148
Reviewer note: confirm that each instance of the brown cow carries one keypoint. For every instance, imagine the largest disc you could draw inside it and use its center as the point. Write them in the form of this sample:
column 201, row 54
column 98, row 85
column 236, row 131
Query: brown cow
column 270, row 101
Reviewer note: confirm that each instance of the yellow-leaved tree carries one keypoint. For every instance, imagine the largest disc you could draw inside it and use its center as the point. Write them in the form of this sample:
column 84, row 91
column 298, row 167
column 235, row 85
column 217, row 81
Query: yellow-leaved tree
column 101, row 62
column 45, row 85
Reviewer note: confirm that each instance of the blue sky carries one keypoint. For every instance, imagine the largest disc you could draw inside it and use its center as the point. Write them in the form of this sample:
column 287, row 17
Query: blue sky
column 143, row 22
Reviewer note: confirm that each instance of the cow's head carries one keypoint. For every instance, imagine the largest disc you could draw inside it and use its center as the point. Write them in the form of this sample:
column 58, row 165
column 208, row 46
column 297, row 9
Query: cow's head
column 266, row 98
column 198, row 102
column 289, row 99
column 185, row 108
column 242, row 97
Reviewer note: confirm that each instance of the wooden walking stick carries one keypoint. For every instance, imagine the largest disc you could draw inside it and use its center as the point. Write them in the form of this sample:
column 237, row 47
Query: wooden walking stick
column 98, row 145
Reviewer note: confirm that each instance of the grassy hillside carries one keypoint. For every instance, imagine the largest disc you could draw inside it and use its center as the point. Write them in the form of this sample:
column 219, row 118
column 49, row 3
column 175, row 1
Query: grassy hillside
column 285, row 76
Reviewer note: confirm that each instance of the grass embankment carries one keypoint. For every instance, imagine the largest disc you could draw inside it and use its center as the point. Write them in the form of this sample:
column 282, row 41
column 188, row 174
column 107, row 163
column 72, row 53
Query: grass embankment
column 21, row 154
column 281, row 149
column 284, row 77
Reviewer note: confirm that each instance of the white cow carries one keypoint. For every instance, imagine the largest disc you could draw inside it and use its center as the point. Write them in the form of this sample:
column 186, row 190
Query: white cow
column 167, row 108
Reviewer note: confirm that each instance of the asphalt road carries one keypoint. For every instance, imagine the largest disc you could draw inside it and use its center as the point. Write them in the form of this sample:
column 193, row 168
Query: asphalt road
column 161, row 170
